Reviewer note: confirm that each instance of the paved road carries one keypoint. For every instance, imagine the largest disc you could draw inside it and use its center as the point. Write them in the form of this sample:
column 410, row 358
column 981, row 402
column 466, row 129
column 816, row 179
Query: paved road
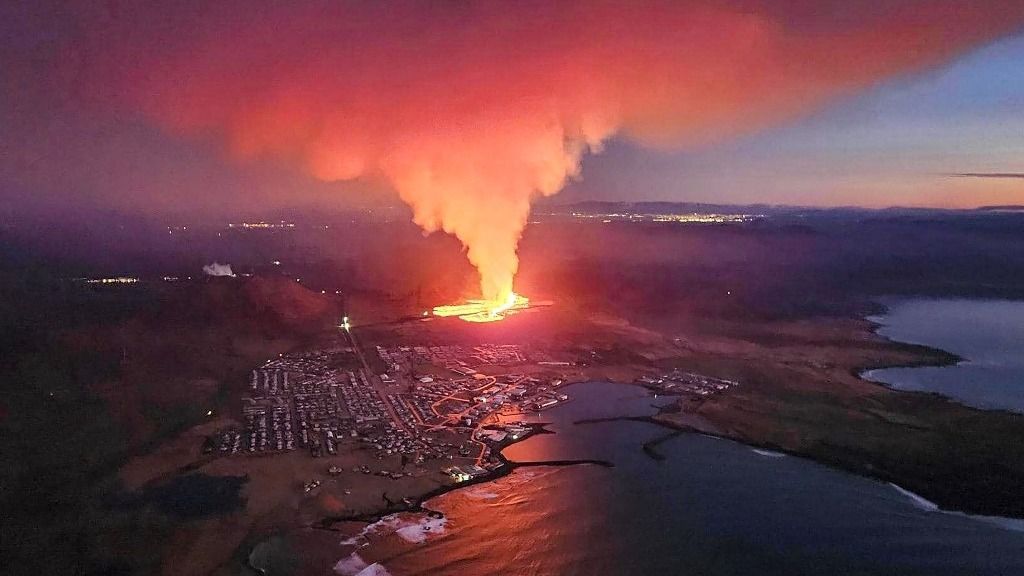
column 375, row 382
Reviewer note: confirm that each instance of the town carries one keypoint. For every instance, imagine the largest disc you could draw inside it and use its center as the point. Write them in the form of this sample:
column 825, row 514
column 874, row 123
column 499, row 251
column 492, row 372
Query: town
column 452, row 404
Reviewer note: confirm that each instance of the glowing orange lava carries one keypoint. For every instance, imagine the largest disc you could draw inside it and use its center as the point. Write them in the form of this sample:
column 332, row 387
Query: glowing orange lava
column 484, row 310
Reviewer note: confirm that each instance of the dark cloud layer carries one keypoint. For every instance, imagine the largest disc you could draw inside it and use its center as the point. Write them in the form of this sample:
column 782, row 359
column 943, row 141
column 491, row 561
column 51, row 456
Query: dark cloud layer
column 998, row 175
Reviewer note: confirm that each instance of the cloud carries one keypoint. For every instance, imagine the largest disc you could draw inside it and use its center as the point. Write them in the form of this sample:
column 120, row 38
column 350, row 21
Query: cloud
column 471, row 110
column 216, row 269
column 1000, row 175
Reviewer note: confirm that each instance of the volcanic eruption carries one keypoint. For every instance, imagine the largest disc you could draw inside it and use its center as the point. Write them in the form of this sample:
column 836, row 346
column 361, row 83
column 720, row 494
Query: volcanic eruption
column 483, row 310
column 470, row 111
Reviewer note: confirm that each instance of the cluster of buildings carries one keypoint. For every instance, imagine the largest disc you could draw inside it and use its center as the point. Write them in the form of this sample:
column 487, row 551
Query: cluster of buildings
column 318, row 399
column 304, row 400
column 360, row 398
column 469, row 400
column 461, row 359
column 686, row 383
column 460, row 388
column 431, row 404
column 439, row 387
column 465, row 472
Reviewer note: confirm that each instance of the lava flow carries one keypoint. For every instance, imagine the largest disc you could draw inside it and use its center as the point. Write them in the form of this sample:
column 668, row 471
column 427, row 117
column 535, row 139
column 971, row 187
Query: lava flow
column 484, row 310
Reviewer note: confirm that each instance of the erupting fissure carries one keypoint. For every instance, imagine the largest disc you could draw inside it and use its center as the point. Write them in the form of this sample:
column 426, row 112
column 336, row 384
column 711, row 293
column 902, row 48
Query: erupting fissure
column 484, row 310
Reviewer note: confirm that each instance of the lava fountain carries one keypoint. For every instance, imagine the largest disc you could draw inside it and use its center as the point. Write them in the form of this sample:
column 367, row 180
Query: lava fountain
column 484, row 310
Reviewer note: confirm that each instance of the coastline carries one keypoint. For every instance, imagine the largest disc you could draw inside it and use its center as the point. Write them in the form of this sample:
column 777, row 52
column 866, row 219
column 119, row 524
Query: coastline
column 970, row 362
column 941, row 358
column 923, row 418
column 907, row 355
column 935, row 445
column 775, row 451
column 419, row 505
column 1004, row 522
column 416, row 503
column 925, row 356
column 394, row 537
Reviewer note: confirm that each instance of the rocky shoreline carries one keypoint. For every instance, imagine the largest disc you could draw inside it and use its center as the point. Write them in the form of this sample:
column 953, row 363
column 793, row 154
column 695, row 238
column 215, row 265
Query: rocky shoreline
column 415, row 504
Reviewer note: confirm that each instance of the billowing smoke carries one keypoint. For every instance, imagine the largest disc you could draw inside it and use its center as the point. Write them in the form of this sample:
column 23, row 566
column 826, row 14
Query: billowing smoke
column 470, row 110
column 217, row 269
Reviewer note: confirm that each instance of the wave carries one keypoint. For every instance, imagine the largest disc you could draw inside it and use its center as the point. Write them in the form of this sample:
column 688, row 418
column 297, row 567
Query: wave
column 357, row 540
column 480, row 494
column 351, row 565
column 919, row 501
column 1014, row 524
column 768, row 453
column 417, row 532
column 414, row 528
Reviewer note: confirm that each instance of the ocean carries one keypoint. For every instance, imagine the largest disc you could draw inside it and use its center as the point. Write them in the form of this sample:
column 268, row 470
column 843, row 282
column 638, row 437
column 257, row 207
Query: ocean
column 987, row 334
column 711, row 507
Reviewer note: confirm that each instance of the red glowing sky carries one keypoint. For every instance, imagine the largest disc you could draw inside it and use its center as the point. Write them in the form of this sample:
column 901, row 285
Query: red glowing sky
column 467, row 110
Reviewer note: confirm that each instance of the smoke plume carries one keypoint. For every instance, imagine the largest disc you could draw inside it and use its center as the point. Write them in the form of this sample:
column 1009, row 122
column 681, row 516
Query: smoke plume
column 470, row 110
column 216, row 269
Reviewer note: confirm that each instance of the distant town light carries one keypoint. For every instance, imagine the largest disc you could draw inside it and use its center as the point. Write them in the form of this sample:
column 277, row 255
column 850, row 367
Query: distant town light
column 114, row 280
column 691, row 218
column 263, row 225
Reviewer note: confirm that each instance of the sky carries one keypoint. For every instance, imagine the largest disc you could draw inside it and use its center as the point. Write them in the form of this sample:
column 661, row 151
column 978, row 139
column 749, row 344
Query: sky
column 173, row 107
column 895, row 144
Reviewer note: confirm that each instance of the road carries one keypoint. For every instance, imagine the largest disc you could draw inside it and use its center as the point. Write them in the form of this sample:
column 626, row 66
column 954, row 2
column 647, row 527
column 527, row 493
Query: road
column 375, row 381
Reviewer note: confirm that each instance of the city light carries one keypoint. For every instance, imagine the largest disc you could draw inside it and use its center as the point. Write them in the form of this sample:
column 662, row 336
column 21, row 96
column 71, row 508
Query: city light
column 689, row 218
column 262, row 225
column 114, row 280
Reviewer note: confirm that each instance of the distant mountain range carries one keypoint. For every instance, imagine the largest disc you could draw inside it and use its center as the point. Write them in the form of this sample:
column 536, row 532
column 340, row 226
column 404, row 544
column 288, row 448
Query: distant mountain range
column 606, row 207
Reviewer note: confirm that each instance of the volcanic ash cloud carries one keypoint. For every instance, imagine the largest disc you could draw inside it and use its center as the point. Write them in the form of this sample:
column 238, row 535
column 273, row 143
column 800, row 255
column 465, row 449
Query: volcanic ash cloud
column 471, row 110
